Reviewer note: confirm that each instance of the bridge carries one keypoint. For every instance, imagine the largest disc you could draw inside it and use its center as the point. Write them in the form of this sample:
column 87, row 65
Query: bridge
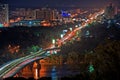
column 15, row 66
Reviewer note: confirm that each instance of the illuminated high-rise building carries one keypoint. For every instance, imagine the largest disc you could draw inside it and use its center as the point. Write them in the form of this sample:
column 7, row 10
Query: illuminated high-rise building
column 30, row 14
column 46, row 14
column 20, row 12
column 39, row 14
column 110, row 11
column 4, row 14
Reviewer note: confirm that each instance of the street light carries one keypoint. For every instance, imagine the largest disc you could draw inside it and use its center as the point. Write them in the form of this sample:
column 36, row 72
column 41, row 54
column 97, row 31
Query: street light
column 53, row 41
column 61, row 35
column 76, row 26
column 70, row 29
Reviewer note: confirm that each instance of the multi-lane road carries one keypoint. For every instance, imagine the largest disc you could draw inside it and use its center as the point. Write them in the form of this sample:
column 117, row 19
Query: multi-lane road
column 11, row 68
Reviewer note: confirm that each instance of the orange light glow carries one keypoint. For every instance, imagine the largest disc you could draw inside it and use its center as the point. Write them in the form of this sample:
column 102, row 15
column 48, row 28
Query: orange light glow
column 13, row 49
column 36, row 73
column 12, row 21
column 5, row 24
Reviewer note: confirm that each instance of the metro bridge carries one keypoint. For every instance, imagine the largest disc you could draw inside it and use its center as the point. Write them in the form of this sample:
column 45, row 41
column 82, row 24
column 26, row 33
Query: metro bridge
column 13, row 67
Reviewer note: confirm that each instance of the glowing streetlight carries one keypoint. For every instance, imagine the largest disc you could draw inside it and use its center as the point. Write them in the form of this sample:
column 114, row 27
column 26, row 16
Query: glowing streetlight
column 61, row 35
column 53, row 41
column 76, row 25
column 70, row 29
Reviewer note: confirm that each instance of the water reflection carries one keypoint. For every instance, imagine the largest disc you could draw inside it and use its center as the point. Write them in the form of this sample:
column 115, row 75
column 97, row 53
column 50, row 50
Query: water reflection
column 36, row 74
column 54, row 73
column 45, row 69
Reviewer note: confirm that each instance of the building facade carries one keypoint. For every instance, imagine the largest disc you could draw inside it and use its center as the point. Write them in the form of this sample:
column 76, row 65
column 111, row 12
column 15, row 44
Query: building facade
column 46, row 14
column 4, row 14
column 110, row 11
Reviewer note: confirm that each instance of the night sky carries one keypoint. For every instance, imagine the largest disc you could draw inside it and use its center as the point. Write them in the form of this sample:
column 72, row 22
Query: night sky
column 59, row 3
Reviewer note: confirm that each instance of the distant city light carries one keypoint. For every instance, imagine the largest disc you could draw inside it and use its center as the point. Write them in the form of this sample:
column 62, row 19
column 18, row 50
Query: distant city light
column 70, row 29
column 61, row 35
column 64, row 31
column 30, row 22
column 79, row 25
column 76, row 25
column 73, row 19
column 65, row 14
column 55, row 52
column 53, row 41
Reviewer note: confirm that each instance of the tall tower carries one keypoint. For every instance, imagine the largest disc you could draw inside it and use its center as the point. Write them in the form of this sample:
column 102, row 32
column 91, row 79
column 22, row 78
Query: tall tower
column 4, row 14
column 110, row 11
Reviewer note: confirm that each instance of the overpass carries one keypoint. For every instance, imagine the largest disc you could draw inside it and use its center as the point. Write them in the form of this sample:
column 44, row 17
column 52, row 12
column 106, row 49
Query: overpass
column 16, row 65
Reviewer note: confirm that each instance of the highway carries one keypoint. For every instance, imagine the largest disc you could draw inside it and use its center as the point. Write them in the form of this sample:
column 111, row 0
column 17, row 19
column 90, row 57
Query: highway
column 83, row 25
column 11, row 68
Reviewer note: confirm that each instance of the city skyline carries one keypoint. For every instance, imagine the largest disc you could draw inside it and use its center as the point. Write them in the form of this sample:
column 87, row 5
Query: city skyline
column 59, row 3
